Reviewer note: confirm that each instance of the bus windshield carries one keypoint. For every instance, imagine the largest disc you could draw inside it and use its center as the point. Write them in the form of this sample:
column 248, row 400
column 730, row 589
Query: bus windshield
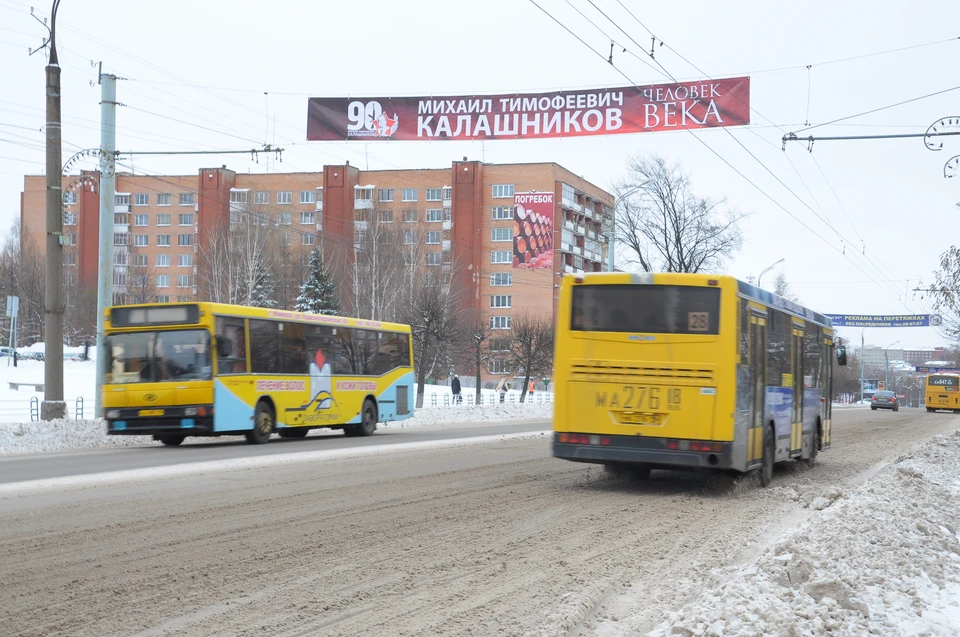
column 150, row 357
column 654, row 309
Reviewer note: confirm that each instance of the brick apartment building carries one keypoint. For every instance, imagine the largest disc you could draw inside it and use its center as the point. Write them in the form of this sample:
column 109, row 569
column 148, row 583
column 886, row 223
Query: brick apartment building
column 463, row 215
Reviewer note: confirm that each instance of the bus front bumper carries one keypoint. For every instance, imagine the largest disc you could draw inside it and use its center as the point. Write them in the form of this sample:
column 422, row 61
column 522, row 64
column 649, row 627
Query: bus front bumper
column 190, row 420
column 660, row 453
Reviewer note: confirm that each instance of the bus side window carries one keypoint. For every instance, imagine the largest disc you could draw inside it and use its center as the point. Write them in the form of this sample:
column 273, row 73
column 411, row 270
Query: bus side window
column 231, row 347
column 264, row 346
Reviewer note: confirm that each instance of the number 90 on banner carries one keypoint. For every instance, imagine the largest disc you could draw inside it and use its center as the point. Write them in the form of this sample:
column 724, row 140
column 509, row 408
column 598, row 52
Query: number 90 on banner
column 361, row 116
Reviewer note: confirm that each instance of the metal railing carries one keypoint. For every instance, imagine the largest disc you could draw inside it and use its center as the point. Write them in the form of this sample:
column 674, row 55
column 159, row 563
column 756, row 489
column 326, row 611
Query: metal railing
column 468, row 398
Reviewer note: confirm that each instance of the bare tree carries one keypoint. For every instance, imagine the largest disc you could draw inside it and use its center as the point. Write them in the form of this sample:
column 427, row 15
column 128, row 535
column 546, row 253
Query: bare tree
column 531, row 349
column 782, row 288
column 236, row 264
column 665, row 227
column 140, row 280
column 474, row 348
column 379, row 266
column 945, row 291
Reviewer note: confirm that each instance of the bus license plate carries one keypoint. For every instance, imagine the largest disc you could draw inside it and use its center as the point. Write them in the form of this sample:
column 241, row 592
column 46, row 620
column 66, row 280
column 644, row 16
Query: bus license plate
column 642, row 419
column 151, row 412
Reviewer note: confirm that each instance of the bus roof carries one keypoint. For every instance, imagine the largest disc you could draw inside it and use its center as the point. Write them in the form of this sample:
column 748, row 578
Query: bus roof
column 243, row 311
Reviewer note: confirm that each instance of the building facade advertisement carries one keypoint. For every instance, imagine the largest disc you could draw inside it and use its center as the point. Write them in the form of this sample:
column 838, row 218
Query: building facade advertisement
column 909, row 320
column 533, row 230
column 660, row 107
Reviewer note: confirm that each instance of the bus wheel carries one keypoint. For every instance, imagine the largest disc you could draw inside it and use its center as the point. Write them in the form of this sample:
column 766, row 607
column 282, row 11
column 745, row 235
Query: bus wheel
column 368, row 421
column 172, row 441
column 769, row 455
column 293, row 432
column 262, row 424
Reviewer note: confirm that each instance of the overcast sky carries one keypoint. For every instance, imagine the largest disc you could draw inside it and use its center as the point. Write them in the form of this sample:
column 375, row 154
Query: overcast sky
column 209, row 64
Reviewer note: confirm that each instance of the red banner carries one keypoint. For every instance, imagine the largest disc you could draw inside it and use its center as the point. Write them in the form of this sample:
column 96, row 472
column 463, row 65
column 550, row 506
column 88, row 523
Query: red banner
column 634, row 109
column 533, row 230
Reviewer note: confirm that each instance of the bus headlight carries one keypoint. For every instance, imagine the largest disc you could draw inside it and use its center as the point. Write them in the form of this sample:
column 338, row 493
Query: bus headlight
column 113, row 414
column 190, row 411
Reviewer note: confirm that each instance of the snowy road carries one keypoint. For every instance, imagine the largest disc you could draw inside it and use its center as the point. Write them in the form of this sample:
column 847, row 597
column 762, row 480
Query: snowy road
column 485, row 539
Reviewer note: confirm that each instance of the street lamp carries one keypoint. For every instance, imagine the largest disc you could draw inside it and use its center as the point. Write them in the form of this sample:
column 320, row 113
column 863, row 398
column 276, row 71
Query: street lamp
column 768, row 268
column 613, row 229
column 886, row 362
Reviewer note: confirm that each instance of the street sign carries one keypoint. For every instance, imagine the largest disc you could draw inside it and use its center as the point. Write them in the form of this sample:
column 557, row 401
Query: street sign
column 13, row 306
column 880, row 386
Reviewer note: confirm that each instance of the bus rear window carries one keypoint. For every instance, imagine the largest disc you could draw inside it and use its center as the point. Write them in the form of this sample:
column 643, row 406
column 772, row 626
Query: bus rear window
column 654, row 309
column 943, row 381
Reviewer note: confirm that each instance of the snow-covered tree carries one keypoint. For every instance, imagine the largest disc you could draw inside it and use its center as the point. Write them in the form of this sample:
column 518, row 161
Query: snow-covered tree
column 318, row 294
column 264, row 287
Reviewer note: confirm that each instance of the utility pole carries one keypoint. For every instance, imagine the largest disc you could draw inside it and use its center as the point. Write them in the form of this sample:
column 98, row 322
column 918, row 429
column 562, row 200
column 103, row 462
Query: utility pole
column 862, row 352
column 53, row 405
column 108, row 173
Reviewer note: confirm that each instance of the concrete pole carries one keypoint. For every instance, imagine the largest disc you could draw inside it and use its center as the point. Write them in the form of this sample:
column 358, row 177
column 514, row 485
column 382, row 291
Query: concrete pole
column 53, row 406
column 108, row 146
column 861, row 365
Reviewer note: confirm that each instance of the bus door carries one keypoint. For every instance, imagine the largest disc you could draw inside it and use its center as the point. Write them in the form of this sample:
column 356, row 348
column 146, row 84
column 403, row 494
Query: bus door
column 758, row 367
column 796, row 429
column 827, row 392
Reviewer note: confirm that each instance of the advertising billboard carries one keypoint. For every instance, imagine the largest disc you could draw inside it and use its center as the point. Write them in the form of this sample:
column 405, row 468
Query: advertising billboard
column 533, row 230
column 632, row 109
column 876, row 320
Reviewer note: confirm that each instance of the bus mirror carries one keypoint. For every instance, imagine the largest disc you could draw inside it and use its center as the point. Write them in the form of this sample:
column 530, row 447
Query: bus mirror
column 225, row 346
column 841, row 356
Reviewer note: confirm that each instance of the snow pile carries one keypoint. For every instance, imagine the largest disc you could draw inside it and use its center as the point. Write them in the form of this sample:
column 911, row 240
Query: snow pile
column 69, row 435
column 883, row 559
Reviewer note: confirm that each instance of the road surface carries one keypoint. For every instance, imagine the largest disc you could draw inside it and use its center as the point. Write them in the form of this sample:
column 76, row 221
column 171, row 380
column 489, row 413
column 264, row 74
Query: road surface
column 484, row 539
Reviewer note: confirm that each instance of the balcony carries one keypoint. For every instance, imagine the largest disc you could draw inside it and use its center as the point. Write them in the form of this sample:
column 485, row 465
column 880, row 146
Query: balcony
column 361, row 204
column 319, row 206
column 319, row 226
column 591, row 234
column 569, row 268
column 447, row 224
column 445, row 245
column 121, row 228
column 578, row 207
column 361, row 225
column 124, row 209
column 581, row 230
column 569, row 225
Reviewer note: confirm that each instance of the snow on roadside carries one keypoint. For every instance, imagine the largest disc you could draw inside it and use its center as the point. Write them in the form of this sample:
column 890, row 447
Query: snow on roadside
column 881, row 559
column 71, row 435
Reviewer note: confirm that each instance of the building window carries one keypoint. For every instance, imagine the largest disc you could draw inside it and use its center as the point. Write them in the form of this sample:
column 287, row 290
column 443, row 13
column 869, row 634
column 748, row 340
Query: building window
column 69, row 258
column 501, row 256
column 121, row 218
column 163, row 240
column 186, row 219
column 141, row 240
column 500, row 322
column 447, row 193
column 284, row 218
column 447, row 214
column 502, row 234
column 568, row 193
column 306, row 218
column 121, row 239
column 307, row 239
column 186, row 198
column 385, row 195
column 141, row 199
column 69, row 218
column 435, row 215
column 500, row 345
column 385, row 216
column 287, row 238
column 433, row 238
column 433, row 258
column 501, row 279
column 163, row 199
column 410, row 194
column 163, row 220
column 238, row 196
column 409, row 237
column 141, row 221
column 163, row 298
column 70, row 197
column 261, row 198
column 410, row 216
column 163, row 280
column 183, row 298
column 183, row 280
column 497, row 366
column 285, row 197
column 501, row 300
column 163, row 260
column 308, row 196
column 72, row 239
column 185, row 240
column 502, row 212
column 120, row 278
column 121, row 200
column 363, row 194
column 502, row 191
column 140, row 260
column 185, row 260
column 434, row 194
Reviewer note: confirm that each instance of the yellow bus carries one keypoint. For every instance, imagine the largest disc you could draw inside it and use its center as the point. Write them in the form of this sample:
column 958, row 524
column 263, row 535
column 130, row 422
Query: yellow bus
column 205, row 369
column 943, row 392
column 672, row 371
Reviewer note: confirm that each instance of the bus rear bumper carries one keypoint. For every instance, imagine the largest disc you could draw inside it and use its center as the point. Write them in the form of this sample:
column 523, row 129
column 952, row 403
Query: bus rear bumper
column 652, row 452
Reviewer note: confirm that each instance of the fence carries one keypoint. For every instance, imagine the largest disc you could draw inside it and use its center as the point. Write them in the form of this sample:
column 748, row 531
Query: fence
column 486, row 398
column 23, row 410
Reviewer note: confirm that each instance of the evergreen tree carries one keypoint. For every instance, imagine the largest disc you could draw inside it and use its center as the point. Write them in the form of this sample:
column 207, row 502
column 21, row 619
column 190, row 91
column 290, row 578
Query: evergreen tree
column 318, row 294
column 263, row 290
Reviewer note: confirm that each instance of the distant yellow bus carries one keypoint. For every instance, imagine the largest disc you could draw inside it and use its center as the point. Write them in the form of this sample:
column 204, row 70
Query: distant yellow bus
column 688, row 371
column 943, row 392
column 205, row 369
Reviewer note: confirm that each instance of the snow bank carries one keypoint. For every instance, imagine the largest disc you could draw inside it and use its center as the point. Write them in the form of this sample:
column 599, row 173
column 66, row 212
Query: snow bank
column 70, row 435
column 882, row 559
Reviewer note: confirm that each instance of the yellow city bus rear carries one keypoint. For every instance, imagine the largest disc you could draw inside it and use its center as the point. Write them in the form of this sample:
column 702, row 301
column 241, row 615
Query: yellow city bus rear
column 688, row 371
column 943, row 392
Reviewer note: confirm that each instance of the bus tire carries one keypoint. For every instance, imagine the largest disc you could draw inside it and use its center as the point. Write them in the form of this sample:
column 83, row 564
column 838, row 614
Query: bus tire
column 368, row 421
column 172, row 440
column 768, row 458
column 293, row 432
column 929, row 410
column 263, row 424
